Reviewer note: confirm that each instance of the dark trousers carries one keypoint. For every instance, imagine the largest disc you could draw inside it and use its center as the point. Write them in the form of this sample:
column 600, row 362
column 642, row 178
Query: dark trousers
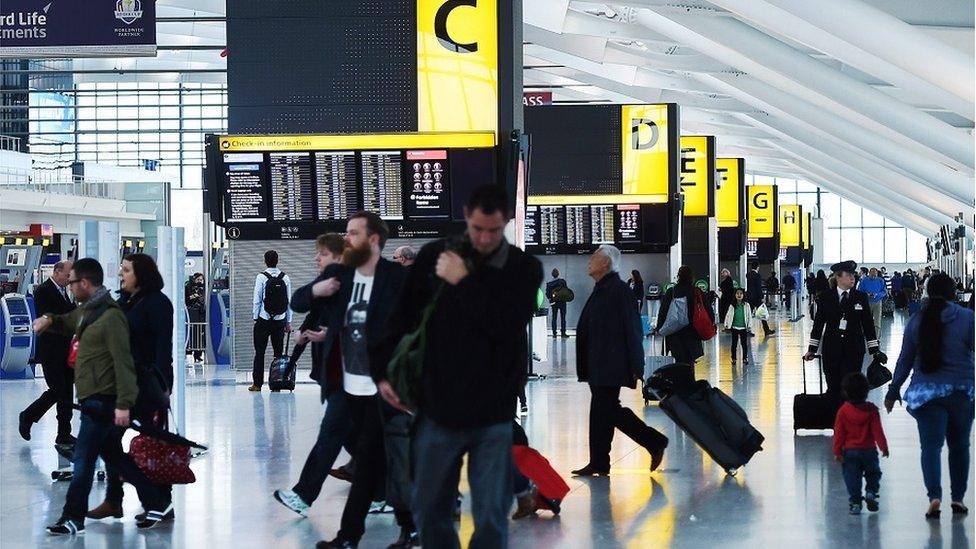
column 438, row 452
column 947, row 420
column 861, row 464
column 263, row 331
column 99, row 436
column 370, row 474
column 334, row 432
column 743, row 336
column 60, row 381
column 558, row 312
column 606, row 413
column 835, row 368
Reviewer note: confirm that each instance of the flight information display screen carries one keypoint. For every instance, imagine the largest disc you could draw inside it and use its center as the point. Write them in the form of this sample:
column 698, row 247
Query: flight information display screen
column 579, row 229
column 420, row 191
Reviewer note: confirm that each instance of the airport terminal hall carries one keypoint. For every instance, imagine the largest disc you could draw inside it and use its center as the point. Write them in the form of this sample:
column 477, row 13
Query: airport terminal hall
column 487, row 274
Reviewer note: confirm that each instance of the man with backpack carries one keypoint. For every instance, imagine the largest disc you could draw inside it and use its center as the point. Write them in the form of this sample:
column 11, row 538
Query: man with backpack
column 558, row 294
column 272, row 316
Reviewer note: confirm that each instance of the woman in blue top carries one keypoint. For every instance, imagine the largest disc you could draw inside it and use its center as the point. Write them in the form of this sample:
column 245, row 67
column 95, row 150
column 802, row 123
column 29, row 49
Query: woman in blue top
column 938, row 349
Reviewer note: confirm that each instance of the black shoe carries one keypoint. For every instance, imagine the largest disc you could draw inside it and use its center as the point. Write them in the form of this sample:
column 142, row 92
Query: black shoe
column 24, row 426
column 590, row 471
column 153, row 518
column 66, row 439
column 337, row 544
column 959, row 509
column 872, row 505
column 341, row 473
column 565, row 334
column 67, row 527
column 406, row 540
column 141, row 517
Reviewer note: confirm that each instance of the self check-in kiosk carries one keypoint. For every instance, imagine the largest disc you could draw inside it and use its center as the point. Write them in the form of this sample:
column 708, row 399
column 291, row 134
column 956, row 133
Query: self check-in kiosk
column 219, row 308
column 16, row 337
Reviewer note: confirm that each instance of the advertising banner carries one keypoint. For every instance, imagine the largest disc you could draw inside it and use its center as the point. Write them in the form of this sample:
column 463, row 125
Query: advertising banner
column 73, row 28
column 536, row 98
column 790, row 225
column 698, row 175
column 730, row 183
column 762, row 211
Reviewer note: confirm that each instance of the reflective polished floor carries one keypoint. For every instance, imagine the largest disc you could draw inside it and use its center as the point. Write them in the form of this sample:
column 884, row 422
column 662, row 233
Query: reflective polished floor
column 790, row 495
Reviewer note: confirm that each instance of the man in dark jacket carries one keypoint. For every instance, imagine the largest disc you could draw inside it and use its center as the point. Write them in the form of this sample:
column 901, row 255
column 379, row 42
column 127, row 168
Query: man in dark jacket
column 475, row 363
column 841, row 327
column 727, row 288
column 755, row 295
column 51, row 297
column 558, row 307
column 610, row 355
column 789, row 286
column 105, row 379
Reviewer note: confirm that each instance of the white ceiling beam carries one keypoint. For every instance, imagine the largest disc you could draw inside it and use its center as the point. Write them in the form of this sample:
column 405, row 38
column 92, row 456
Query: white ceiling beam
column 731, row 41
column 815, row 25
column 786, row 107
column 892, row 40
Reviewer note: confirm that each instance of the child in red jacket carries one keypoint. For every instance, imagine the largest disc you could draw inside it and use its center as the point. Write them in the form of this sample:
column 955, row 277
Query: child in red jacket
column 857, row 433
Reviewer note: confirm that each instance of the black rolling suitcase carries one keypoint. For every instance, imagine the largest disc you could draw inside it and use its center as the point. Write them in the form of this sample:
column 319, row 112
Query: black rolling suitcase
column 716, row 423
column 814, row 411
column 282, row 372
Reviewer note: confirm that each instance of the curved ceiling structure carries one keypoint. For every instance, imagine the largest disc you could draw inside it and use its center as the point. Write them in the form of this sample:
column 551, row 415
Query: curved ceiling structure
column 872, row 99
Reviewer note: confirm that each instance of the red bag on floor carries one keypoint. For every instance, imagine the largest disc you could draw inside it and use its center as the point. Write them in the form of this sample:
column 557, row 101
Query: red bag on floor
column 552, row 488
column 161, row 462
column 700, row 320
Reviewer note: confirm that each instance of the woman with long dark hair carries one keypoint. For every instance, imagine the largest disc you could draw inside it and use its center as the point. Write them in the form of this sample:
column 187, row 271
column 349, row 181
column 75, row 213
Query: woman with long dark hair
column 685, row 345
column 636, row 285
column 150, row 316
column 938, row 351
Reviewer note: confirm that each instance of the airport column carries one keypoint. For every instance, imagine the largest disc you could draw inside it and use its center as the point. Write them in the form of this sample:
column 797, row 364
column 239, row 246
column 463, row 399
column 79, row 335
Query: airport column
column 170, row 254
column 699, row 230
column 100, row 240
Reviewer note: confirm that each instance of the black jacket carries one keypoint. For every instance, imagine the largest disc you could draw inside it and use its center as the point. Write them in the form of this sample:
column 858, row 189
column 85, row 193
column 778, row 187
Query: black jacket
column 552, row 286
column 52, row 348
column 789, row 283
column 684, row 342
column 477, row 346
column 754, row 288
column 609, row 350
column 727, row 288
column 150, row 316
column 387, row 282
column 860, row 326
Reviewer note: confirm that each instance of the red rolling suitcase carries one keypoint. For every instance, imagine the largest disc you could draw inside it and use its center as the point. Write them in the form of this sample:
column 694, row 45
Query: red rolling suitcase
column 552, row 488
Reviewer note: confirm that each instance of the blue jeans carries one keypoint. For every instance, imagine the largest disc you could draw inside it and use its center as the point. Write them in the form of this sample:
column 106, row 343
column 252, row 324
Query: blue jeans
column 98, row 436
column 860, row 464
column 947, row 420
column 438, row 452
column 333, row 434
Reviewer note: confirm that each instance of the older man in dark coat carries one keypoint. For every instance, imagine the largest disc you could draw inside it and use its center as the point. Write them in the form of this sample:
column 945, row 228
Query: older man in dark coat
column 610, row 355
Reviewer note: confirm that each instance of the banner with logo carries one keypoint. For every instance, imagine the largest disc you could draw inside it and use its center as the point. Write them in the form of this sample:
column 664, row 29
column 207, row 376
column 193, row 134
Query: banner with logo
column 762, row 211
column 790, row 225
column 698, row 175
column 536, row 98
column 457, row 65
column 77, row 28
column 730, row 187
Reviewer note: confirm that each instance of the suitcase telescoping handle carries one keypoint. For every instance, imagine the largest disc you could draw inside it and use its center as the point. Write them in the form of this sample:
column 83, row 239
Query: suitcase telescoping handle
column 819, row 373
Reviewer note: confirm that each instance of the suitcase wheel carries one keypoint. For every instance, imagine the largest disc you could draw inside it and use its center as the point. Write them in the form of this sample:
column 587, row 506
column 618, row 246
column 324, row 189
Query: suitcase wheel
column 731, row 472
column 100, row 476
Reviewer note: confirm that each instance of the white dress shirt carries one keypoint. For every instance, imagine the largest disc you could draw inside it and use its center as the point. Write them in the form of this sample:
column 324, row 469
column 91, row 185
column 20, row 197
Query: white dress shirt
column 258, row 302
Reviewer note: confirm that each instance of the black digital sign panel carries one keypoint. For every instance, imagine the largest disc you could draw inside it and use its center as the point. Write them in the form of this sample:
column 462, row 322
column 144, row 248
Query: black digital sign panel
column 270, row 194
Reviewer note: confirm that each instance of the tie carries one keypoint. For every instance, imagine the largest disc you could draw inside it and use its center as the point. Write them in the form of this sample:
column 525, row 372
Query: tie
column 64, row 294
column 843, row 300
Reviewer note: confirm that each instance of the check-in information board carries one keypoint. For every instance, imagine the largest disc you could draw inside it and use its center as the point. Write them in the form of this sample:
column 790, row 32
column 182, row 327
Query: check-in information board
column 299, row 186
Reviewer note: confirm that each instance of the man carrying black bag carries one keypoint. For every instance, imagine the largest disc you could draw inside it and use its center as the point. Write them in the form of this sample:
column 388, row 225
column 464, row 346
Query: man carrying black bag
column 844, row 319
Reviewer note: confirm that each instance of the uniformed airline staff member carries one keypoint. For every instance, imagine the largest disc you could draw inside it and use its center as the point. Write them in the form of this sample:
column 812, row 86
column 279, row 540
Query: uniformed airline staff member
column 844, row 319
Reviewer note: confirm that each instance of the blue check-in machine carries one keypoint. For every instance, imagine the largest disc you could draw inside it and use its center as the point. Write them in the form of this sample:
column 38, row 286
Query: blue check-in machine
column 16, row 337
column 19, row 268
column 219, row 308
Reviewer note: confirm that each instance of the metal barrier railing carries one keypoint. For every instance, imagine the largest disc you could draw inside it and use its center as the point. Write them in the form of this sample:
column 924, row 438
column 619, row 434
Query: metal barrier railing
column 196, row 337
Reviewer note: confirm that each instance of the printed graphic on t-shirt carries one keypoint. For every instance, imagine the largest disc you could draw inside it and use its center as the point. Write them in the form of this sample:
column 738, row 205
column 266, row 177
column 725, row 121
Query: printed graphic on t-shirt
column 355, row 359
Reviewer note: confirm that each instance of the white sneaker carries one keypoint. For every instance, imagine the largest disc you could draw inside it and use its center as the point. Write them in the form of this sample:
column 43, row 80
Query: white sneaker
column 292, row 501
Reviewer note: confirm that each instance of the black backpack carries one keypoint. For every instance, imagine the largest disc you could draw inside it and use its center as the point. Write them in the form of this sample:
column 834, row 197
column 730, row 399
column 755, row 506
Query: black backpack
column 275, row 295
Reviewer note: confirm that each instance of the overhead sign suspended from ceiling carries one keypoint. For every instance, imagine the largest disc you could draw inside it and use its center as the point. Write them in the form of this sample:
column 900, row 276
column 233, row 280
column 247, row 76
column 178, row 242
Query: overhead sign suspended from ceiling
column 730, row 183
column 763, row 211
column 698, row 175
column 74, row 28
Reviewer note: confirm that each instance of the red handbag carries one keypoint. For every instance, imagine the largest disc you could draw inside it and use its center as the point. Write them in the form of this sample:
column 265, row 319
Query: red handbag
column 162, row 462
column 73, row 352
column 700, row 320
